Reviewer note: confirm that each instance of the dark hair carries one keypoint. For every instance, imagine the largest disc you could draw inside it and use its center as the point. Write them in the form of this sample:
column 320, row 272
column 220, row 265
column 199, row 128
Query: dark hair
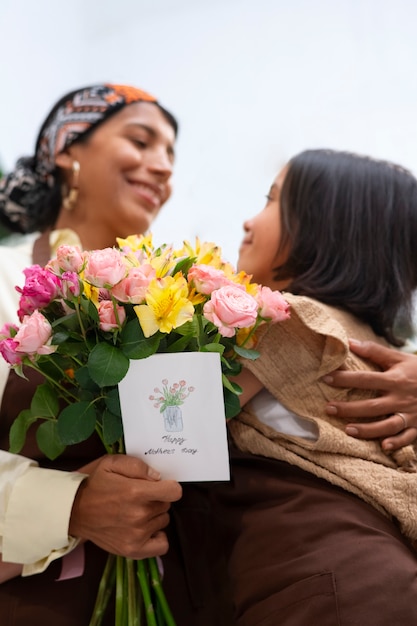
column 350, row 225
column 31, row 201
column 49, row 208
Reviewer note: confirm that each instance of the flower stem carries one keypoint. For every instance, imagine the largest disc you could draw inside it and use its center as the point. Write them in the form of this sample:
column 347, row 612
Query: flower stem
column 162, row 601
column 252, row 331
column 146, row 592
column 104, row 591
column 120, row 572
column 66, row 394
column 132, row 595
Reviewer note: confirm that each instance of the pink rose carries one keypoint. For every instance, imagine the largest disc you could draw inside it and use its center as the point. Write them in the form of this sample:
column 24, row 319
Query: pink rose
column 207, row 278
column 8, row 330
column 272, row 305
column 133, row 288
column 105, row 268
column 231, row 307
column 8, row 345
column 40, row 288
column 70, row 285
column 8, row 351
column 34, row 334
column 67, row 259
column 107, row 315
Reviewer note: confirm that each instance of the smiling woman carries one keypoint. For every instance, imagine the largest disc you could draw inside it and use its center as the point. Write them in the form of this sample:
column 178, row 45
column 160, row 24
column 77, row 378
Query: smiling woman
column 125, row 175
column 102, row 169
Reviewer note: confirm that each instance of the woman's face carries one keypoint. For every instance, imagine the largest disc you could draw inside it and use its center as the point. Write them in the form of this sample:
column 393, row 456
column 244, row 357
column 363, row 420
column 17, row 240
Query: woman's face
column 258, row 251
column 125, row 175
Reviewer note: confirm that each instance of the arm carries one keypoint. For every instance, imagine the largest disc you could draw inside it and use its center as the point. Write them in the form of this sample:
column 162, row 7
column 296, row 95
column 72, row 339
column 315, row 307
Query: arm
column 250, row 386
column 397, row 384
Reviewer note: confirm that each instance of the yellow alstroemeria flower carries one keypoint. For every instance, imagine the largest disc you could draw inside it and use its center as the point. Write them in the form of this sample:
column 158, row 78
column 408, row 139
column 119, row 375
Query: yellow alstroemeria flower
column 241, row 278
column 91, row 292
column 164, row 263
column 137, row 242
column 206, row 253
column 195, row 297
column 167, row 305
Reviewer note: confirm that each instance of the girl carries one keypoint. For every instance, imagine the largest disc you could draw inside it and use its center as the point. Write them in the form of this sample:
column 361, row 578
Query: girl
column 319, row 525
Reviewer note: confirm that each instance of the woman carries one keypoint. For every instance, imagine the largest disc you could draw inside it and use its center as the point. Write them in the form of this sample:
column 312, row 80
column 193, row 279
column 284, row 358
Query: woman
column 102, row 168
column 320, row 526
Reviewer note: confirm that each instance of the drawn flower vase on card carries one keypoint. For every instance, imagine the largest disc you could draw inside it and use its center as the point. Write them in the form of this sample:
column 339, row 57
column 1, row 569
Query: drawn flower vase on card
column 168, row 402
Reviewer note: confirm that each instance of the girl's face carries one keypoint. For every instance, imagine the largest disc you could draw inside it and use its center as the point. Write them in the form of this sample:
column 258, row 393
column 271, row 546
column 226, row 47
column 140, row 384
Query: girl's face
column 125, row 175
column 258, row 251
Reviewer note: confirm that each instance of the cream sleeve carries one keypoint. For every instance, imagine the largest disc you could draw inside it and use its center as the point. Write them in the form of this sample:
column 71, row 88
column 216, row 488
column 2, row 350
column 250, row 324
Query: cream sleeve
column 35, row 508
column 35, row 503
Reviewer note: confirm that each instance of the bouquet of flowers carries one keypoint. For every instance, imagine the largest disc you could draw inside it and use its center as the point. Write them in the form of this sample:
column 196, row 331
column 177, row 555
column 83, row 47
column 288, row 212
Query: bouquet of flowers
column 87, row 314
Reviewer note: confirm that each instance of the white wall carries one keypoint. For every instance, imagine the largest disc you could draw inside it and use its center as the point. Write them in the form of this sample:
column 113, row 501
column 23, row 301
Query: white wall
column 252, row 83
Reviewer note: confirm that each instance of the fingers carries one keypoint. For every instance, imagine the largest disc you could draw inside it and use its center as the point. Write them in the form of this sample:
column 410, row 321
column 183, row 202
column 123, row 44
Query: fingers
column 165, row 491
column 358, row 379
column 406, row 438
column 392, row 425
column 362, row 409
column 130, row 466
column 399, row 369
column 156, row 546
column 146, row 540
column 394, row 431
column 385, row 357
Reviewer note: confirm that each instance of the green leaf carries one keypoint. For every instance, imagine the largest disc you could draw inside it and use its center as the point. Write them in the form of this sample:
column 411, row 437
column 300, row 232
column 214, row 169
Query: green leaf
column 68, row 322
column 89, row 308
column 112, row 427
column 107, row 365
column 48, row 439
column 180, row 344
column 134, row 343
column 246, row 354
column 60, row 337
column 184, row 265
column 51, row 366
column 113, row 402
column 19, row 371
column 45, row 401
column 189, row 328
column 231, row 404
column 18, row 430
column 83, row 378
column 232, row 366
column 228, row 384
column 72, row 348
column 237, row 388
column 76, row 423
column 213, row 347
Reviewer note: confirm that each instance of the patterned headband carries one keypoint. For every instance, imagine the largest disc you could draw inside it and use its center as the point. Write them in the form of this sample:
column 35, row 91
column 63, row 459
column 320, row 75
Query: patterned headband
column 79, row 113
column 23, row 192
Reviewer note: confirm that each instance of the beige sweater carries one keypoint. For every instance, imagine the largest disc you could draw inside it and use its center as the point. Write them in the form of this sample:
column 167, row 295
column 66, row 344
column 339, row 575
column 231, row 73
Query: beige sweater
column 295, row 355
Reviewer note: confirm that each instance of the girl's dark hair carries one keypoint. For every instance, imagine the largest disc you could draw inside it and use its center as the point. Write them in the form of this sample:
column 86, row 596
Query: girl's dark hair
column 350, row 225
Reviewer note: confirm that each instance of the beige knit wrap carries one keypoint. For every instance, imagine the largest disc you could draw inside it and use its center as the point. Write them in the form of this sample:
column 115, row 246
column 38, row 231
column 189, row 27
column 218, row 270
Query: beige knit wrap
column 295, row 355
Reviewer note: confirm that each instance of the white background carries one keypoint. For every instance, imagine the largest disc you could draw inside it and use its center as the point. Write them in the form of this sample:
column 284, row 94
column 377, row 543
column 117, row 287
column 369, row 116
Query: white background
column 251, row 82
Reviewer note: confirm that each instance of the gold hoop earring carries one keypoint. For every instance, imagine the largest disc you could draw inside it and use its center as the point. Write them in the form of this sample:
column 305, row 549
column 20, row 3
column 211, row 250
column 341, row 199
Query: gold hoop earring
column 68, row 202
